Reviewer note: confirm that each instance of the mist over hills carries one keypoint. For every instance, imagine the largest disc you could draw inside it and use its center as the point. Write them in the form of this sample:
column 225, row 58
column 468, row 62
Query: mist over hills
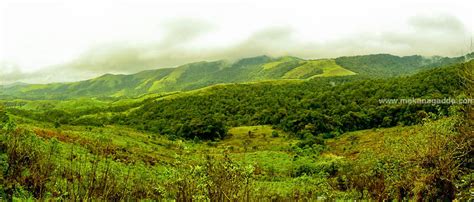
column 142, row 100
column 206, row 73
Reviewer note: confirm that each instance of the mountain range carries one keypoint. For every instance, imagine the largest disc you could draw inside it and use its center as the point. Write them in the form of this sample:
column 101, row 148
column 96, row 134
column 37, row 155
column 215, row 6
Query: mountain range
column 206, row 73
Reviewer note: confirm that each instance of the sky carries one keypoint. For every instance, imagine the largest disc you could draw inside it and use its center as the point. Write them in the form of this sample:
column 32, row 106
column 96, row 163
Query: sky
column 43, row 41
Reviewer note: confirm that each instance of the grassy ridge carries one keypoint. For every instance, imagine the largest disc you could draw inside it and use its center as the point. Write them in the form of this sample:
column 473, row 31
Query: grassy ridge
column 276, row 140
column 326, row 105
column 202, row 74
column 186, row 77
column 318, row 68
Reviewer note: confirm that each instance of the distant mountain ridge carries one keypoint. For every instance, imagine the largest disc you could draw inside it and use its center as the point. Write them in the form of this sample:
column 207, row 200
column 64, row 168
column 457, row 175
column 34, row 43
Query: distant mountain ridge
column 386, row 65
column 201, row 74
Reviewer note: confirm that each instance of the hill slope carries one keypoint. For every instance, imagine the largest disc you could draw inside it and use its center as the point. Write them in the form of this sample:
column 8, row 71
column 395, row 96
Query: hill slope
column 326, row 106
column 264, row 140
column 201, row 74
column 182, row 78
column 385, row 65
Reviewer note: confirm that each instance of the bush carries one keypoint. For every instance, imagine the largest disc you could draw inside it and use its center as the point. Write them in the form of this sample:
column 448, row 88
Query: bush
column 310, row 141
column 275, row 134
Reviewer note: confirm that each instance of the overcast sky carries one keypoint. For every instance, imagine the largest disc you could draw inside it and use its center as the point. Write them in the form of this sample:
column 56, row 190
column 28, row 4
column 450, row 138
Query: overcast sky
column 59, row 40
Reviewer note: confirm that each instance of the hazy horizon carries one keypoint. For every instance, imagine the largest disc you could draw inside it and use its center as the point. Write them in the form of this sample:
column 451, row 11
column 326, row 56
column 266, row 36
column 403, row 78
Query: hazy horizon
column 56, row 41
column 230, row 60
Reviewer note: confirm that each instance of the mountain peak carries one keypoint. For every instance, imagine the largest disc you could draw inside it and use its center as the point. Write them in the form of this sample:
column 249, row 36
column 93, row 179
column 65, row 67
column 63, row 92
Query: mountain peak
column 253, row 60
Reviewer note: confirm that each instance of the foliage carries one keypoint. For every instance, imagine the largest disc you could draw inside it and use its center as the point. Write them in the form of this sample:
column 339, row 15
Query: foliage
column 330, row 107
column 422, row 165
column 186, row 77
column 385, row 65
column 280, row 141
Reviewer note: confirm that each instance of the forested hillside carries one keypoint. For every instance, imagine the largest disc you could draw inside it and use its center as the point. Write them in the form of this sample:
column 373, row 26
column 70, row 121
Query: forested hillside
column 332, row 137
column 230, row 101
column 182, row 78
column 385, row 65
column 201, row 74
column 327, row 106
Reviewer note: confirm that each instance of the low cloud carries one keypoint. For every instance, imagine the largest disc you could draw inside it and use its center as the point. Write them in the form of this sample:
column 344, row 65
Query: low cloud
column 437, row 23
column 182, row 31
column 424, row 35
column 10, row 72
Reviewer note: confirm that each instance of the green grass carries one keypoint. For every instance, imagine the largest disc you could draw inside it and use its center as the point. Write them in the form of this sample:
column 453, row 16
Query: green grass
column 279, row 165
column 256, row 147
column 276, row 160
column 281, row 60
column 259, row 138
column 170, row 79
column 351, row 144
column 183, row 78
column 307, row 70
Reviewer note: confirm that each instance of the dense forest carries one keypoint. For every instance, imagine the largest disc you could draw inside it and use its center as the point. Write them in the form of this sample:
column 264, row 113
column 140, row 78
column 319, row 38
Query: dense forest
column 300, row 137
column 329, row 108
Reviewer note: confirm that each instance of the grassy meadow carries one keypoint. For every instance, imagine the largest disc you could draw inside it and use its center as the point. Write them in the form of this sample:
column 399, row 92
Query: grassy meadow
column 322, row 135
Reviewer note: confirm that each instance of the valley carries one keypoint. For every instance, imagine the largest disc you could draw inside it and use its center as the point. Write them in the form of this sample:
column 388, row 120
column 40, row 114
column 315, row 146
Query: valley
column 260, row 128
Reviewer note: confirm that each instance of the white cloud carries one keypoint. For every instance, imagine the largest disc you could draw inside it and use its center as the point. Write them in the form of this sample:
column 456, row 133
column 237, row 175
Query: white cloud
column 94, row 37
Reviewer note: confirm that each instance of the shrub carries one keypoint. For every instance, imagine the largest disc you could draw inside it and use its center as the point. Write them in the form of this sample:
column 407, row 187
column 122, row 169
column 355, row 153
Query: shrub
column 275, row 134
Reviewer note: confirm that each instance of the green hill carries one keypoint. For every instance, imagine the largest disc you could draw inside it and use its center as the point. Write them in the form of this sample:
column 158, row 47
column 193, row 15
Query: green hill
column 201, row 74
column 186, row 77
column 317, row 68
column 385, row 65
column 328, row 105
column 328, row 138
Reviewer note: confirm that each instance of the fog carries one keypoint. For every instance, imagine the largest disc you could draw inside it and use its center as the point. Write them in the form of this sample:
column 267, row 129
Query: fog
column 57, row 42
